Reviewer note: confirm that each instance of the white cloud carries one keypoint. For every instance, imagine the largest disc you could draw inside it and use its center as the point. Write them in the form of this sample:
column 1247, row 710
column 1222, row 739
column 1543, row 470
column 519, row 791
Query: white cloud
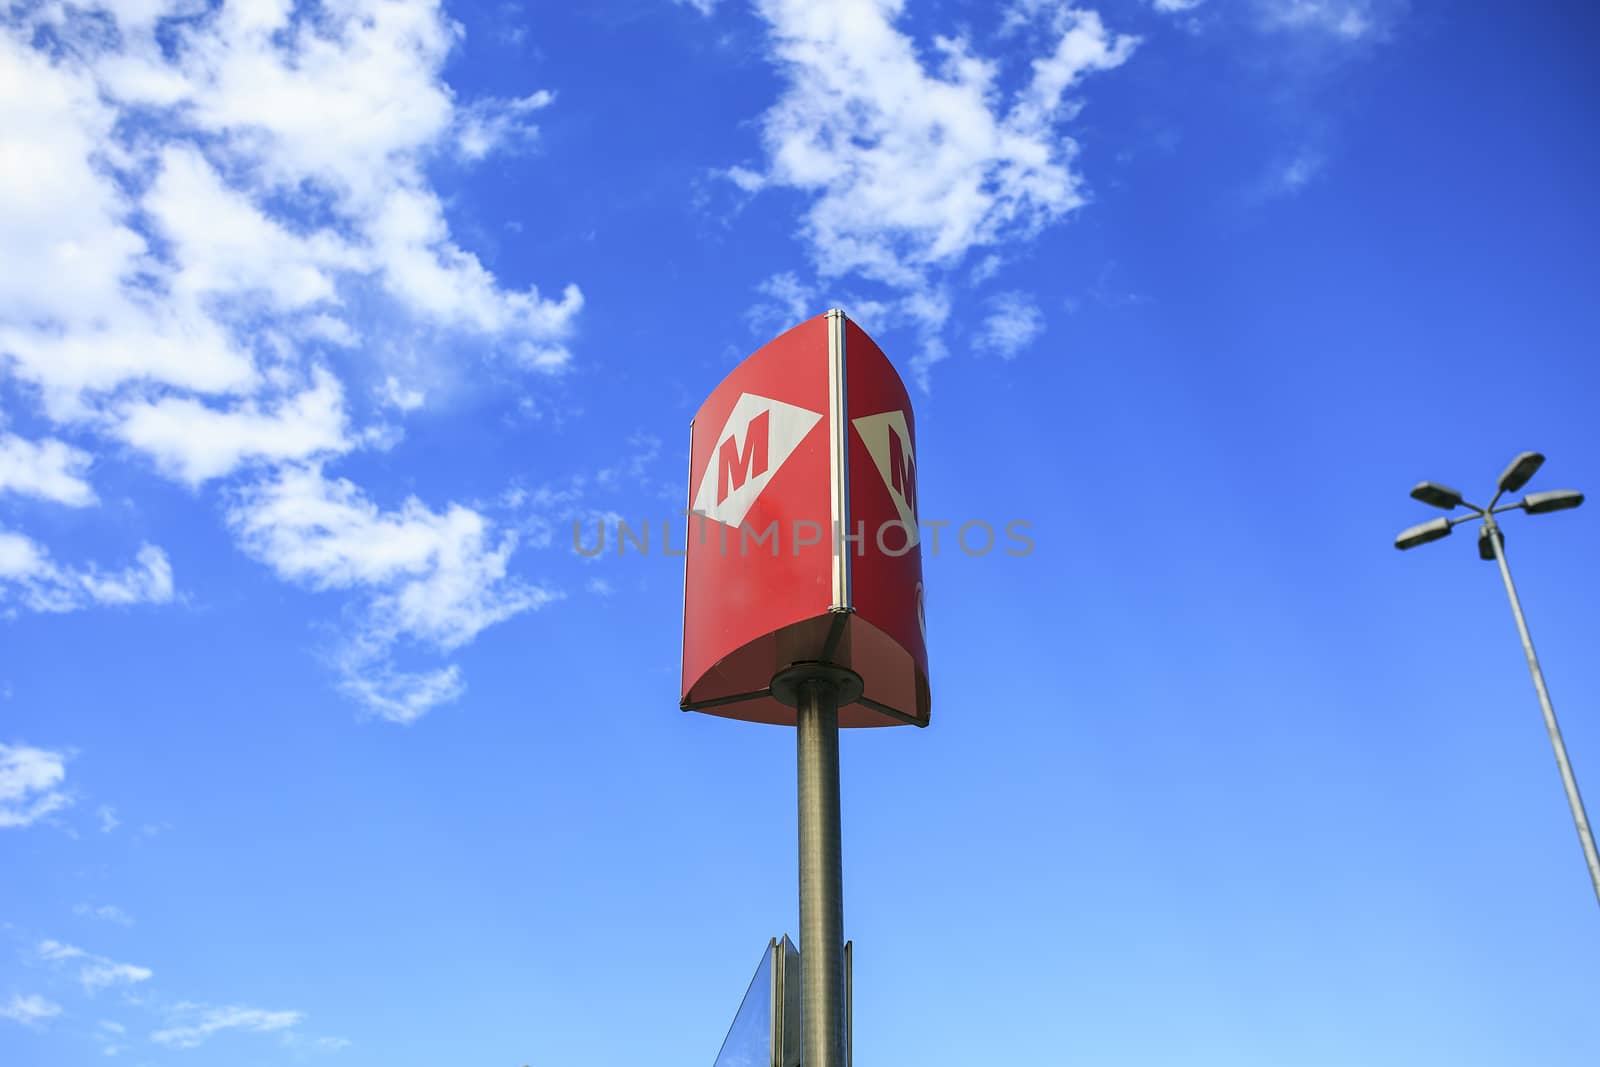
column 436, row 577
column 705, row 7
column 195, row 442
column 985, row 269
column 191, row 219
column 109, row 912
column 48, row 469
column 912, row 162
column 300, row 1043
column 429, row 274
column 370, row 677
column 325, row 112
column 198, row 1023
column 223, row 244
column 94, row 972
column 1174, row 6
column 55, row 950
column 1349, row 20
column 109, row 1033
column 99, row 973
column 1014, row 322
column 324, row 533
column 490, row 124
column 1300, row 170
column 63, row 216
column 321, row 327
column 393, row 394
column 912, row 167
column 29, row 1010
column 30, row 784
column 108, row 818
column 786, row 301
column 31, row 578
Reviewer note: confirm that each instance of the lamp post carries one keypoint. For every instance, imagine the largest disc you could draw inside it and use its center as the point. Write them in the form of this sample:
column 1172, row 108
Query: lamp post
column 1491, row 546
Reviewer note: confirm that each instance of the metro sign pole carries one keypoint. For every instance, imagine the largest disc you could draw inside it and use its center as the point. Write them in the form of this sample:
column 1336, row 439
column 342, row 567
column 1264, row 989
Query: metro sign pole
column 812, row 435
column 821, row 870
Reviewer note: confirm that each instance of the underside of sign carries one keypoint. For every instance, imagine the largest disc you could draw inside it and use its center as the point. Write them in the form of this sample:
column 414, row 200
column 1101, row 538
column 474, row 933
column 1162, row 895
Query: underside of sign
column 803, row 546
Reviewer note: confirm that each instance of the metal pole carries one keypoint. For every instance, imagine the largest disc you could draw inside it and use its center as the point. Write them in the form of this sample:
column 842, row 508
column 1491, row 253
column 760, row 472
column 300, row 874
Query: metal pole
column 1568, row 780
column 821, row 876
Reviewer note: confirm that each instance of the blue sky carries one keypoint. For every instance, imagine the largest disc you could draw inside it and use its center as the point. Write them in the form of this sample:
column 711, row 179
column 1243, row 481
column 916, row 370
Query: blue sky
column 320, row 325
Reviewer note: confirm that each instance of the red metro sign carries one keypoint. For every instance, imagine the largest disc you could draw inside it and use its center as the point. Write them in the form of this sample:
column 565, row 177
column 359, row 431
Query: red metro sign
column 803, row 544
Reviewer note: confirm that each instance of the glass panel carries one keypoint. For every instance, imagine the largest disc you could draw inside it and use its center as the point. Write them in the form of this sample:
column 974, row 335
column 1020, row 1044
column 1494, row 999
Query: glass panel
column 749, row 1040
column 791, row 1004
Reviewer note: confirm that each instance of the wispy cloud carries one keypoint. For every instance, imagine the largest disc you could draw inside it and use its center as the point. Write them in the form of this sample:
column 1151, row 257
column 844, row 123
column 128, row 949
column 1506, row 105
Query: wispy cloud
column 435, row 577
column 263, row 118
column 400, row 397
column 1298, row 171
column 1013, row 323
column 108, row 912
column 1349, row 20
column 110, row 1035
column 30, row 578
column 49, row 469
column 94, row 972
column 29, row 1010
column 305, row 1043
column 195, row 1024
column 195, row 442
column 219, row 216
column 985, row 268
column 493, row 124
column 912, row 161
column 30, row 783
column 785, row 300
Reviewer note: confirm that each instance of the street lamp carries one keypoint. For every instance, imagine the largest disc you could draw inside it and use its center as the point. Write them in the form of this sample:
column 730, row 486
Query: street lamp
column 1554, row 500
column 1518, row 471
column 1440, row 496
column 1424, row 532
column 1491, row 545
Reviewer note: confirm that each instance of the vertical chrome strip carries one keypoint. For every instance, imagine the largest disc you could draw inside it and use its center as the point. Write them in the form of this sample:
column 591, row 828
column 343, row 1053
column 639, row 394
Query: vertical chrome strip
column 775, row 1036
column 688, row 532
column 839, row 459
column 849, row 1007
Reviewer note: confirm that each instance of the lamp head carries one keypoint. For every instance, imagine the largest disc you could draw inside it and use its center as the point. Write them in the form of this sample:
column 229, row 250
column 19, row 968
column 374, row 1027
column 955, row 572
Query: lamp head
column 1516, row 475
column 1486, row 546
column 1552, row 500
column 1439, row 496
column 1422, row 533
